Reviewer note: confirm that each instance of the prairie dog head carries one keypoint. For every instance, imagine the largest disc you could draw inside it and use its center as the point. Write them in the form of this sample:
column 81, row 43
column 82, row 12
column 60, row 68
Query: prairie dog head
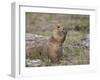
column 59, row 32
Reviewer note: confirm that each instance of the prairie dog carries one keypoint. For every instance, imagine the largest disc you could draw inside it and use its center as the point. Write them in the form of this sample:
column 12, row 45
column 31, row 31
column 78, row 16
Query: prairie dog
column 55, row 43
column 50, row 48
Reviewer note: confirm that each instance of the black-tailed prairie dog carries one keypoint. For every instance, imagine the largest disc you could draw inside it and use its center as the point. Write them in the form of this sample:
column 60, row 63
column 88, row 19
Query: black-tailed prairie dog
column 55, row 43
column 50, row 47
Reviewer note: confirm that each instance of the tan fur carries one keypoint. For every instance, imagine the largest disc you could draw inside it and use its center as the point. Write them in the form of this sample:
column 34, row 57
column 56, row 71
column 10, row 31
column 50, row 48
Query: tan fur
column 55, row 44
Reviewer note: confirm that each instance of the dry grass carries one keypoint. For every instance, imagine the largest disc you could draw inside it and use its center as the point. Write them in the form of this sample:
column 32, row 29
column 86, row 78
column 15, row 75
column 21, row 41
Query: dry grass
column 78, row 27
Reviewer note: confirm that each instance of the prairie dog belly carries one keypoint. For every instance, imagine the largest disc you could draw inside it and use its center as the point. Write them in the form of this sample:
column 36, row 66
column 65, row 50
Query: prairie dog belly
column 54, row 52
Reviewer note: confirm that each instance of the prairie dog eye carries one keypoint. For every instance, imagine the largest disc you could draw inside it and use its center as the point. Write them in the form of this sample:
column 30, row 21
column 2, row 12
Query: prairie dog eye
column 58, row 26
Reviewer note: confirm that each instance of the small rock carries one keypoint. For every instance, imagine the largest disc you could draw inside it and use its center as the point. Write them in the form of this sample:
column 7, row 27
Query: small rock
column 33, row 63
column 86, row 41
